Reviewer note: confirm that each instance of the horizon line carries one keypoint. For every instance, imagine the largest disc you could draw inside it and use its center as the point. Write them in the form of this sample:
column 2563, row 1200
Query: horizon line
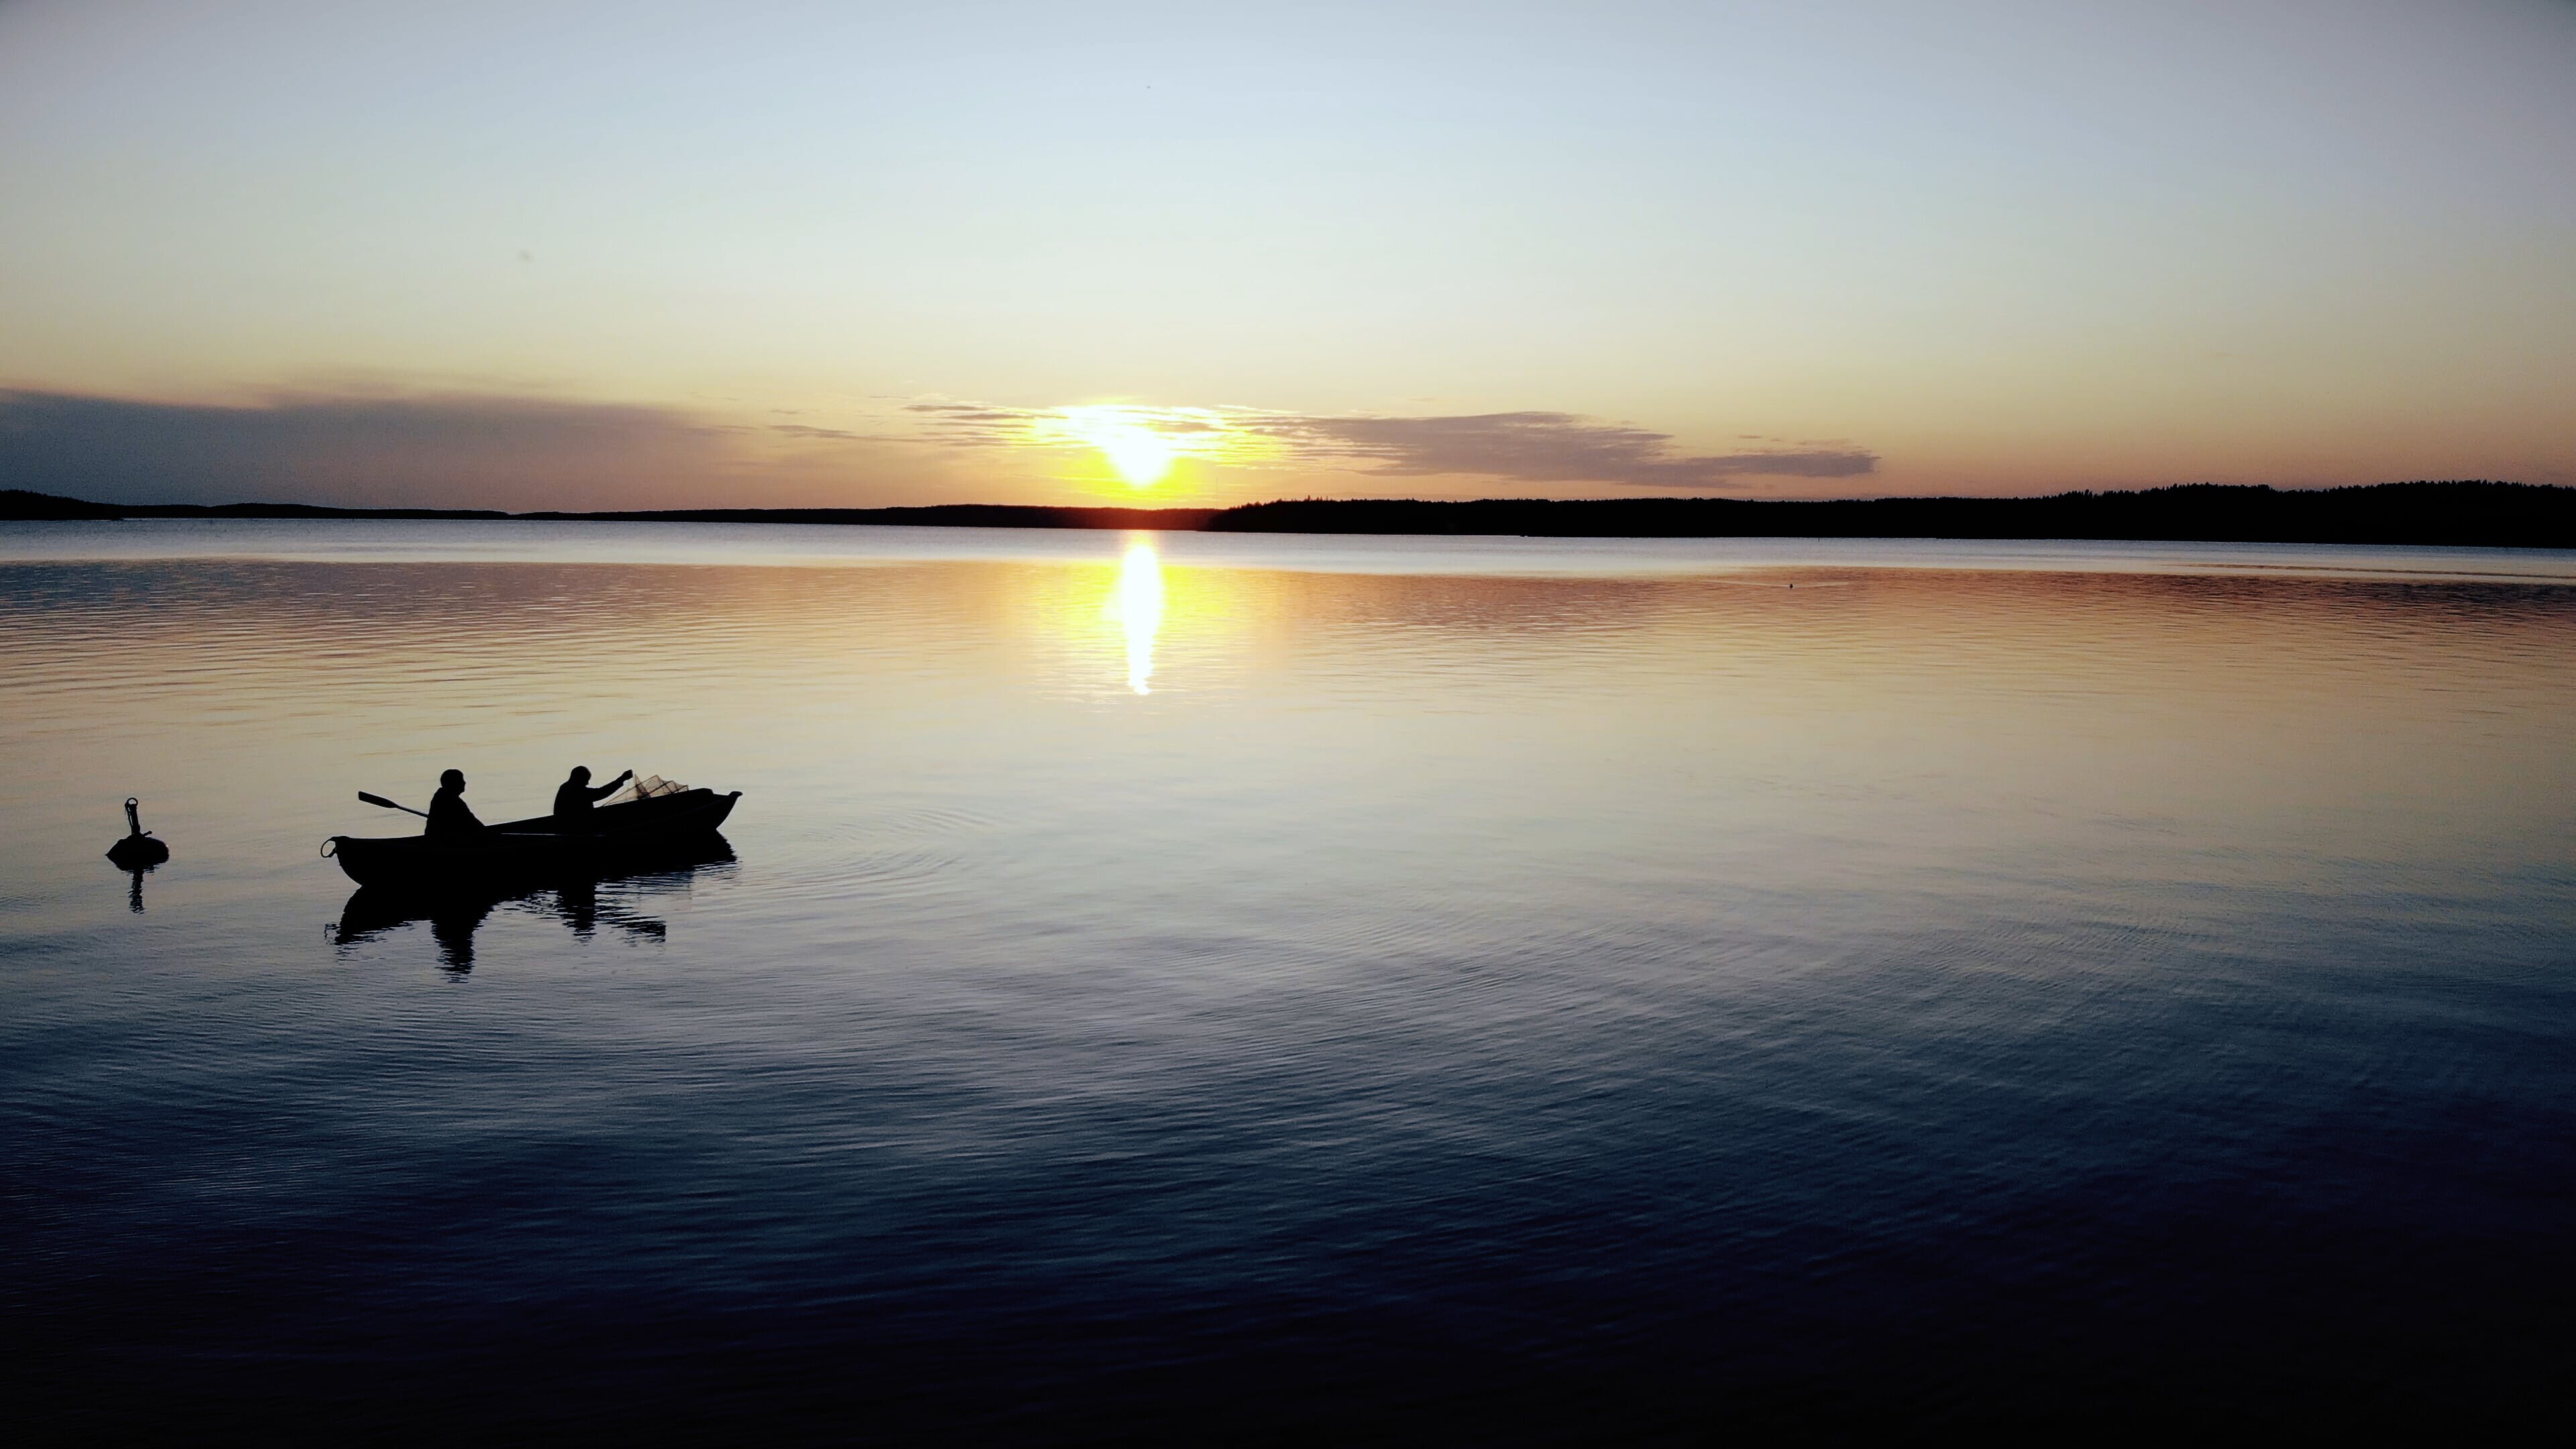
column 2428, row 512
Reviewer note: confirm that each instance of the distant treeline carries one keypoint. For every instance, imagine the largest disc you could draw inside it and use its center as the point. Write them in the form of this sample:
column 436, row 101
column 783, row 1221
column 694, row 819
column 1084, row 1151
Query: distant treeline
column 2478, row 514
column 19, row 504
column 2512, row 515
column 942, row 515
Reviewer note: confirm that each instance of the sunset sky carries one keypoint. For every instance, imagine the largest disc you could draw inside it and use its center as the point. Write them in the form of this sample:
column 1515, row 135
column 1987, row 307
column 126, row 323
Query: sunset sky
column 540, row 255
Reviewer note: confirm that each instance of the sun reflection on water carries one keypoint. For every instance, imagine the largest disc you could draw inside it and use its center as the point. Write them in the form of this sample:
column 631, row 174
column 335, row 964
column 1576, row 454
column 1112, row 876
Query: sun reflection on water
column 1138, row 606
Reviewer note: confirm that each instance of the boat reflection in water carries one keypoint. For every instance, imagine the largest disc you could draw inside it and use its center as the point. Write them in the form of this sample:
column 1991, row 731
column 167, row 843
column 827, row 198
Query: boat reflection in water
column 455, row 915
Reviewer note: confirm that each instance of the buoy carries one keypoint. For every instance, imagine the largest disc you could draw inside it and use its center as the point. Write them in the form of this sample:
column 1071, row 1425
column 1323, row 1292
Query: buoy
column 138, row 850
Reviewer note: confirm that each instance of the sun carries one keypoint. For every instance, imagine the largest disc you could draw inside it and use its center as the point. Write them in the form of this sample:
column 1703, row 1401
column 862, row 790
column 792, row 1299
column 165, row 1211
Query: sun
column 1142, row 456
column 1142, row 446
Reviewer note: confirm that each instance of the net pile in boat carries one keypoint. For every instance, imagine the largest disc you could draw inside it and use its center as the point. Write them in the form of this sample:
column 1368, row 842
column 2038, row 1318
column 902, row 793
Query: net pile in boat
column 647, row 787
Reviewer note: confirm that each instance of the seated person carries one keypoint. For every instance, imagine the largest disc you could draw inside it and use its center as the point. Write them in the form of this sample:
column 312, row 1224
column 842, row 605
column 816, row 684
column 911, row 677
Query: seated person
column 575, row 796
column 448, row 814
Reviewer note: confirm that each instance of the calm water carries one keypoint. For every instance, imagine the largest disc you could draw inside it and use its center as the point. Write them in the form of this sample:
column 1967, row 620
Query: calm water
column 1214, row 986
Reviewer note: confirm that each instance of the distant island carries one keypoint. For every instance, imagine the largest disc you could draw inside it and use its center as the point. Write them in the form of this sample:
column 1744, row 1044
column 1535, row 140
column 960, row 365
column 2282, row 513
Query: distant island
column 17, row 505
column 2461, row 514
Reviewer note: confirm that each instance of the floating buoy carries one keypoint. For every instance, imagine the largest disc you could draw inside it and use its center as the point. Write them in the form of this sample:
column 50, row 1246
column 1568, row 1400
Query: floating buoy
column 138, row 850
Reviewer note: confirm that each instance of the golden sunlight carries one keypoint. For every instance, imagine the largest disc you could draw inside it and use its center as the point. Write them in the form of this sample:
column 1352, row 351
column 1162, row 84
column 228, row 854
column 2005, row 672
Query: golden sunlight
column 1138, row 605
column 1140, row 454
column 1141, row 444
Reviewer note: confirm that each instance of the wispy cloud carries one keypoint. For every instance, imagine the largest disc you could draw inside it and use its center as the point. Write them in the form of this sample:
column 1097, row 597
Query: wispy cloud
column 974, row 425
column 442, row 450
column 1536, row 447
column 382, row 450
column 807, row 432
column 1542, row 447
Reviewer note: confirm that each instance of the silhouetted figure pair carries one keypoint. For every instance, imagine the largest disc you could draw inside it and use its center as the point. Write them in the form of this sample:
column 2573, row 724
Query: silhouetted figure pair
column 449, row 815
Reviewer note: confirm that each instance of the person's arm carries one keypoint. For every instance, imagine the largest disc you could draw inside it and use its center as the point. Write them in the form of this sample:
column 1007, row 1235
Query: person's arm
column 602, row 792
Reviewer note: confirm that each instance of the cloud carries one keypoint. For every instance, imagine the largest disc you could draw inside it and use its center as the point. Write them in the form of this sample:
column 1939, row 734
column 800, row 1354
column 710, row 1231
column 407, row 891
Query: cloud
column 973, row 425
column 810, row 433
column 520, row 453
column 1543, row 447
column 367, row 451
column 971, row 412
column 1534, row 447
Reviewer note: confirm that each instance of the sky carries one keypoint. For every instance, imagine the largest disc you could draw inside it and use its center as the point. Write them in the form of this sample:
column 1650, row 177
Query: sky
column 587, row 255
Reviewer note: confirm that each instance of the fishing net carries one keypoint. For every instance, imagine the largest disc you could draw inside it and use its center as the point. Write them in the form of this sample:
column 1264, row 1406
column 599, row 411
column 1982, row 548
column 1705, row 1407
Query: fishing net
column 647, row 787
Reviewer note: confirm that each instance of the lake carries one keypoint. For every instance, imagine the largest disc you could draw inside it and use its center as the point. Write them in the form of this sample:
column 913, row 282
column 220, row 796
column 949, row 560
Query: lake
column 1208, row 986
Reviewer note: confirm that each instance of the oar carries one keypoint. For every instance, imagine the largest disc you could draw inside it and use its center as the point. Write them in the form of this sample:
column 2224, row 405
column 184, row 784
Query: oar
column 388, row 804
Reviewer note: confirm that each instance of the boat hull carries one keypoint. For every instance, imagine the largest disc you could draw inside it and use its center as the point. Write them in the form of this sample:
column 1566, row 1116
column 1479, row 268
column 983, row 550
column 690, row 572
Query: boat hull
column 617, row 838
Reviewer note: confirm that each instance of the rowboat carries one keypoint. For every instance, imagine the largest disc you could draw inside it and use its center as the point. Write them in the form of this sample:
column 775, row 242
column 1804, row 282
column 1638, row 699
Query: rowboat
column 631, row 835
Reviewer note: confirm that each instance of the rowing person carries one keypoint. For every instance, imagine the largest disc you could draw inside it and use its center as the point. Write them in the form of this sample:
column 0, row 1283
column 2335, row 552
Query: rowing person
column 575, row 796
column 448, row 814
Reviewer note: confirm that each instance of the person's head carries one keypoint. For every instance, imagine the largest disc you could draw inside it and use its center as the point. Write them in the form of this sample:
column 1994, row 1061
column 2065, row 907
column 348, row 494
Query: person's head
column 581, row 774
column 451, row 780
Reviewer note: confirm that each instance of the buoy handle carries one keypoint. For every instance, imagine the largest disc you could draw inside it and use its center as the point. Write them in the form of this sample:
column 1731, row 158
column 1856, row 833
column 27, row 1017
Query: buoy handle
column 133, row 816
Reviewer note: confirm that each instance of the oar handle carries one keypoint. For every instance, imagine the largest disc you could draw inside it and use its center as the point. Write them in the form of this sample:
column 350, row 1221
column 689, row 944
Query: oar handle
column 388, row 804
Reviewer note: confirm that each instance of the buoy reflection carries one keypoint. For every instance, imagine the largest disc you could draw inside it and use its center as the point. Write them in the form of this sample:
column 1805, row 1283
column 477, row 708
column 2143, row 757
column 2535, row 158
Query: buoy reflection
column 1139, row 606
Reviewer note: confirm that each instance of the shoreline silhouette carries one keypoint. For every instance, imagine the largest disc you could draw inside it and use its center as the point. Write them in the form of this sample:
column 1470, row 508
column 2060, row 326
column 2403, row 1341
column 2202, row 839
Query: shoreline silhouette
column 2464, row 513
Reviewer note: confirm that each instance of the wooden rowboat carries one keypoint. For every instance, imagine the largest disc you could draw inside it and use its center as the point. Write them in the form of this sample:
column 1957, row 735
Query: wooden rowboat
column 626, row 836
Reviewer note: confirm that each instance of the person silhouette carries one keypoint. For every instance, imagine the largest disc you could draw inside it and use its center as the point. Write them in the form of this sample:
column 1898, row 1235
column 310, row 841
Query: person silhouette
column 575, row 796
column 448, row 814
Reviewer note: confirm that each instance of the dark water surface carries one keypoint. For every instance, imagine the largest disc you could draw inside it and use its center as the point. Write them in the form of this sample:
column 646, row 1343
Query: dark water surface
column 1337, row 987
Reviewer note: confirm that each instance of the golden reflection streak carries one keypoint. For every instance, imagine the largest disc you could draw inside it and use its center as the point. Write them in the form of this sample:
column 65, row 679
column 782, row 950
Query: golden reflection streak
column 1137, row 604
